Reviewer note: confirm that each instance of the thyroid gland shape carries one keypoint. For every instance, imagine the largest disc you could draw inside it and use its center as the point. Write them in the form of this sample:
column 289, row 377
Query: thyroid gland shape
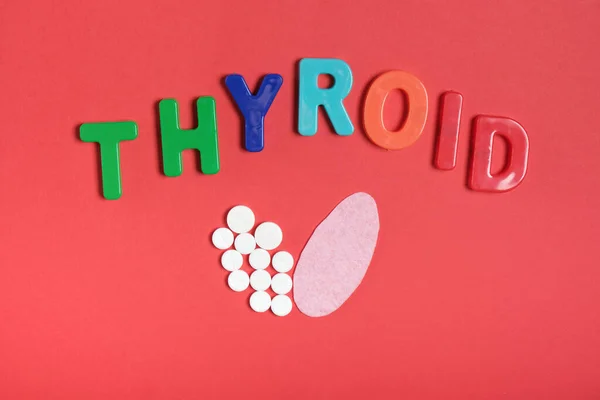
column 337, row 256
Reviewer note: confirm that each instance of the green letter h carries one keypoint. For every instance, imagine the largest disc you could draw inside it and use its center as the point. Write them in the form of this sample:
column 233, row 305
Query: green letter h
column 203, row 138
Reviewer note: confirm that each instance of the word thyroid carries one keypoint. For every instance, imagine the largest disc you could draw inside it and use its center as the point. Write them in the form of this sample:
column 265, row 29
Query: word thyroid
column 254, row 108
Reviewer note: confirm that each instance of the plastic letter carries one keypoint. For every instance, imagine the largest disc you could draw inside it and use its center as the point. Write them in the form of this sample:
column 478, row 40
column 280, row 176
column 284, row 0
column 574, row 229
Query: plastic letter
column 203, row 138
column 311, row 96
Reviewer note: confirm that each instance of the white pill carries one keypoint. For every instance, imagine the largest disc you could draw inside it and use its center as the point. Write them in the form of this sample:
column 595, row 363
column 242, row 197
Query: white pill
column 268, row 235
column 283, row 261
column 260, row 280
column 281, row 305
column 240, row 219
column 259, row 259
column 281, row 283
column 232, row 260
column 222, row 238
column 238, row 280
column 244, row 243
column 260, row 301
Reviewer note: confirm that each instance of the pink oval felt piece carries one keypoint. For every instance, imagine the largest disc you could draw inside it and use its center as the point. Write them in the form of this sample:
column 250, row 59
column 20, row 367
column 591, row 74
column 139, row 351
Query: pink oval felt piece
column 336, row 257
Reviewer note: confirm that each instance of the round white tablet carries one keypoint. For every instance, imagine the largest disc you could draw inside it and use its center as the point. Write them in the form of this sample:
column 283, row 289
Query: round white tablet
column 232, row 260
column 244, row 243
column 260, row 280
column 260, row 301
column 281, row 305
column 238, row 280
column 259, row 259
column 222, row 238
column 283, row 261
column 240, row 219
column 281, row 283
column 268, row 235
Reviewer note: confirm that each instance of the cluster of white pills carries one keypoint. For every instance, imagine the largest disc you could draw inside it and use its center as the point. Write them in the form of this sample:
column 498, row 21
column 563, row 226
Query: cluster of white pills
column 267, row 237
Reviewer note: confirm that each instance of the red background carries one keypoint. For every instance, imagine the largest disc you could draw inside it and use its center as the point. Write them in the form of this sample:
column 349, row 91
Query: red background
column 469, row 295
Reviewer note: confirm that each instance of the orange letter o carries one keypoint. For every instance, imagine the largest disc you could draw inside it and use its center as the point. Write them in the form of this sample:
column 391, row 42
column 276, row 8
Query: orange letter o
column 417, row 110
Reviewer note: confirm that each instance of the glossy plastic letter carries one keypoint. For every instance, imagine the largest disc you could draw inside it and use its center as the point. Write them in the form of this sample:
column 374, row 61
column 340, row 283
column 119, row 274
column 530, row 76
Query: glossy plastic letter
column 108, row 135
column 203, row 138
column 447, row 143
column 518, row 151
column 311, row 96
column 417, row 110
column 254, row 107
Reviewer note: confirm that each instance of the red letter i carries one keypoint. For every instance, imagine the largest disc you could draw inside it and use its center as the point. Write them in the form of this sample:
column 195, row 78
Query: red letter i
column 450, row 109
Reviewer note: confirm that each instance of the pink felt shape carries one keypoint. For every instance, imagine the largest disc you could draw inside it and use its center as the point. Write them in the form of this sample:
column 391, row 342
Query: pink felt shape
column 337, row 256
